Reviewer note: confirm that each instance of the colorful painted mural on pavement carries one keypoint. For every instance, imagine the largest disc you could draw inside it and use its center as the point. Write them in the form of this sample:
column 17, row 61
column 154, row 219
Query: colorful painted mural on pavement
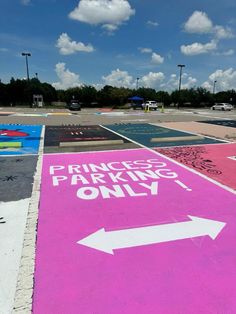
column 16, row 180
column 19, row 139
column 31, row 114
column 215, row 161
column 228, row 123
column 132, row 232
column 76, row 138
column 216, row 131
column 156, row 136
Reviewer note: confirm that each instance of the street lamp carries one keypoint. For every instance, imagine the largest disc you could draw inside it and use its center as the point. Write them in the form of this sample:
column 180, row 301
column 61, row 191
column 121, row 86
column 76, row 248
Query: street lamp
column 137, row 82
column 36, row 75
column 214, row 87
column 181, row 66
column 26, row 55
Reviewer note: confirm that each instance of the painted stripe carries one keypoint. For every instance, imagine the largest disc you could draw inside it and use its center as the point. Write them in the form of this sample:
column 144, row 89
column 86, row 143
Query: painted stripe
column 176, row 138
column 91, row 143
column 10, row 144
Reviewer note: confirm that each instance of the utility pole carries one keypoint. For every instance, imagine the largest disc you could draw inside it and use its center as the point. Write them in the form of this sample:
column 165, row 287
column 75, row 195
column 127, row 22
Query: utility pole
column 181, row 66
column 26, row 55
column 137, row 79
column 214, row 87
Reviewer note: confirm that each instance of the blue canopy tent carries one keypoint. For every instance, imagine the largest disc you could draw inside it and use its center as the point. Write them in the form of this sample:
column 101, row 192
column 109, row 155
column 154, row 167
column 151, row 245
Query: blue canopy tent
column 136, row 102
column 136, row 98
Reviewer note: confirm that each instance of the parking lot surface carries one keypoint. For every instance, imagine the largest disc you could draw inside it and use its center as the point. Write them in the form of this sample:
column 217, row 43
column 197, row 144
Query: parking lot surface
column 111, row 211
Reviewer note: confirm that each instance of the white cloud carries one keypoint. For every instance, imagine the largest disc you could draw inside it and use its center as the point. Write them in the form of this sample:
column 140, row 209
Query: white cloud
column 190, row 82
column 4, row 50
column 207, row 86
column 198, row 23
column 67, row 79
column 198, row 48
column 152, row 80
column 118, row 78
column 226, row 80
column 25, row 2
column 229, row 52
column 152, row 23
column 156, row 58
column 173, row 82
column 68, row 47
column 156, row 80
column 145, row 50
column 109, row 13
column 110, row 27
column 223, row 32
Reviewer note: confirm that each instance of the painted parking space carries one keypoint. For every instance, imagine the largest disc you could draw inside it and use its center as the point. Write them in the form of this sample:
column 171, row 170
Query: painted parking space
column 118, row 233
column 212, row 130
column 228, row 123
column 31, row 114
column 157, row 136
column 214, row 161
column 16, row 180
column 59, row 114
column 77, row 138
column 19, row 139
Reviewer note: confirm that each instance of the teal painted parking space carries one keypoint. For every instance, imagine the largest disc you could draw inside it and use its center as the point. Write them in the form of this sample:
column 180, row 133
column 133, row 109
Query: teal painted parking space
column 156, row 136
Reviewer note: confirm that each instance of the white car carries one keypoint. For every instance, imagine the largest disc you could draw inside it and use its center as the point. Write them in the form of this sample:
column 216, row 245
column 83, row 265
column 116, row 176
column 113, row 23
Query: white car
column 150, row 104
column 222, row 106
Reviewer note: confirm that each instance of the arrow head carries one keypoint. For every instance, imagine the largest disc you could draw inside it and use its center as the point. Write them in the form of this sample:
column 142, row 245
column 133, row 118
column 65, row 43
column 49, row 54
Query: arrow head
column 98, row 240
column 209, row 226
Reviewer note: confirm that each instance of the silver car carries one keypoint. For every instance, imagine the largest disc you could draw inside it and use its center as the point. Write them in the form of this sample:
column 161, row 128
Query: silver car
column 222, row 106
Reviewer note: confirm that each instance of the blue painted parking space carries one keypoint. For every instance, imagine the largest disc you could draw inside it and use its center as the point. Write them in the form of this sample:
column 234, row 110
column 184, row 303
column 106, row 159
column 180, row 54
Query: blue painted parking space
column 155, row 136
column 229, row 123
column 19, row 139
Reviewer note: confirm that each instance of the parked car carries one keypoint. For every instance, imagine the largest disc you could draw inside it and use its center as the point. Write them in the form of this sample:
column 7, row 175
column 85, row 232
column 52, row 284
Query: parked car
column 151, row 104
column 222, row 106
column 137, row 105
column 74, row 105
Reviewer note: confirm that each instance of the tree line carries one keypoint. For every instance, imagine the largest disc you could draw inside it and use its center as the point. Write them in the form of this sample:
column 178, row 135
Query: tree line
column 20, row 93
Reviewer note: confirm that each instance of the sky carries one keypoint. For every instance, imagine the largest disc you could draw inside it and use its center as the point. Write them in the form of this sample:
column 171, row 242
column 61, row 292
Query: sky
column 123, row 43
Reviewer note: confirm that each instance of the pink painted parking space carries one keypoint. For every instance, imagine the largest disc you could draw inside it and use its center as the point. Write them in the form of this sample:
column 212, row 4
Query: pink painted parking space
column 215, row 161
column 132, row 232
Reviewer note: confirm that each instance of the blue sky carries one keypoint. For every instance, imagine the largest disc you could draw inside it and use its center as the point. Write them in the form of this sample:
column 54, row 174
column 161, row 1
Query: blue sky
column 98, row 42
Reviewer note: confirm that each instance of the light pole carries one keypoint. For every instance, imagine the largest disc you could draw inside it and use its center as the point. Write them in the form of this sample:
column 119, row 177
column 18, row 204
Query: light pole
column 214, row 87
column 36, row 75
column 26, row 55
column 181, row 66
column 137, row 82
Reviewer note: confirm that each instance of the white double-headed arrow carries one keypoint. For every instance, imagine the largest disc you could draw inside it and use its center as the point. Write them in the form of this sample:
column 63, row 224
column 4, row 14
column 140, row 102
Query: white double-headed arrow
column 107, row 241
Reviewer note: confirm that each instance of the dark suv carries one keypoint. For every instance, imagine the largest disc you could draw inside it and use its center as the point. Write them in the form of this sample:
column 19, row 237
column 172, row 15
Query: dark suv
column 74, row 105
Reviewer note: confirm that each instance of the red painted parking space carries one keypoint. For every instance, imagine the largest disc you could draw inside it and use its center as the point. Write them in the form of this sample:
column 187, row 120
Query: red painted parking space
column 216, row 161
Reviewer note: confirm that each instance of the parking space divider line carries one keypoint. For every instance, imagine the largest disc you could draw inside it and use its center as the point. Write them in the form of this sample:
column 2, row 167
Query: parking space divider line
column 25, row 282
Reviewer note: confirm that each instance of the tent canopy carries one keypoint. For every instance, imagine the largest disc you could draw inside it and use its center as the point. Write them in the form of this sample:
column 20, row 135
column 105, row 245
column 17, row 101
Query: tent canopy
column 136, row 98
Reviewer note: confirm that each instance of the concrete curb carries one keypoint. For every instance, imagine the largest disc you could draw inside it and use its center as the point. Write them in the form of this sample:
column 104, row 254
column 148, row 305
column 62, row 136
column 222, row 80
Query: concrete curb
column 25, row 282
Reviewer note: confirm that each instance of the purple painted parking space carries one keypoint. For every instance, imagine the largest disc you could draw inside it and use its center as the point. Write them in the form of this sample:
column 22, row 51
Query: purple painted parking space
column 132, row 232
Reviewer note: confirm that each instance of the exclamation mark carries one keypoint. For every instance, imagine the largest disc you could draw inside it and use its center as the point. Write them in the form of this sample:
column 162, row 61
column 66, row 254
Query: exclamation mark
column 183, row 185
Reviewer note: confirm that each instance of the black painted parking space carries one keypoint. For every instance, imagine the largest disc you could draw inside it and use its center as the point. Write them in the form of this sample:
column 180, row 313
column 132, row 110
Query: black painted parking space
column 16, row 177
column 156, row 136
column 82, row 138
column 229, row 123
